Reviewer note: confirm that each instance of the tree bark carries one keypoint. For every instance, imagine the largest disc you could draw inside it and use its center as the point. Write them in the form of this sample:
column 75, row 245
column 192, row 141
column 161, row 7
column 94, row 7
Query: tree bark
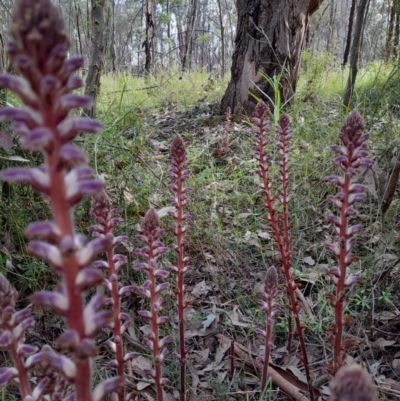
column 92, row 87
column 78, row 29
column 389, row 38
column 270, row 38
column 355, row 51
column 332, row 14
column 396, row 30
column 189, row 35
column 349, row 33
column 148, row 42
column 112, row 39
column 221, row 25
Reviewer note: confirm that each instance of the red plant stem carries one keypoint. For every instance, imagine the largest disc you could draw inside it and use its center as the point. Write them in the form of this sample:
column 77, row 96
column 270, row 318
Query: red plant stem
column 285, row 218
column 63, row 220
column 285, row 260
column 267, row 345
column 180, row 285
column 22, row 371
column 117, row 324
column 340, row 295
column 154, row 328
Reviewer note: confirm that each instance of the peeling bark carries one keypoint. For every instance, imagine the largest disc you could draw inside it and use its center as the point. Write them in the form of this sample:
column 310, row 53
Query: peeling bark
column 271, row 36
column 92, row 87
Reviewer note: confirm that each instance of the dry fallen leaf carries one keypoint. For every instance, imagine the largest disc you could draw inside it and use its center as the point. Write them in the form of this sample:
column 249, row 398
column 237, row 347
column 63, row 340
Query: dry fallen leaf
column 224, row 345
column 235, row 317
column 200, row 289
column 165, row 210
column 309, row 261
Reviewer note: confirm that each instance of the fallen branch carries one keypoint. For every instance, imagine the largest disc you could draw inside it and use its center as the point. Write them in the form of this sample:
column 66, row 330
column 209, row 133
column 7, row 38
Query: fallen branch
column 287, row 387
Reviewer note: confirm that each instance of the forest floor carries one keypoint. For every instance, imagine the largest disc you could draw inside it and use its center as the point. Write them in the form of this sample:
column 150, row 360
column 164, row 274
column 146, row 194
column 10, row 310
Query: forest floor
column 230, row 244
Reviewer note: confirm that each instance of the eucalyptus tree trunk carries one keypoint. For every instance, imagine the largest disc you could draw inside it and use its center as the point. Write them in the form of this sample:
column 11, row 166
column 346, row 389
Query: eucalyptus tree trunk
column 189, row 34
column 396, row 29
column 355, row 51
column 389, row 38
column 92, row 87
column 221, row 24
column 78, row 29
column 349, row 33
column 112, row 39
column 332, row 14
column 271, row 36
column 148, row 42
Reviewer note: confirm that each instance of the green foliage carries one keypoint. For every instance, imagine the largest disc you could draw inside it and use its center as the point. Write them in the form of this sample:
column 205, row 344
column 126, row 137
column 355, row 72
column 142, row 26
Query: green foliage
column 134, row 95
column 229, row 233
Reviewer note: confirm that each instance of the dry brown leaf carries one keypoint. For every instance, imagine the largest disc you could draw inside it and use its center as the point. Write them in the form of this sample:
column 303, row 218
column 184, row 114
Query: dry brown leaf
column 236, row 318
column 201, row 288
column 224, row 345
column 309, row 261
column 382, row 343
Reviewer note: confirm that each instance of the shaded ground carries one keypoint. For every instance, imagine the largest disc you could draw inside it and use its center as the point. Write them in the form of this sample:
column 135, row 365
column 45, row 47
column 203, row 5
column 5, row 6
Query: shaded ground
column 231, row 247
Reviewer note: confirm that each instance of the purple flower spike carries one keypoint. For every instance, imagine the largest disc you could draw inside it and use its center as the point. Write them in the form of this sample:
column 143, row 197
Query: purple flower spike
column 43, row 229
column 20, row 87
column 353, row 383
column 40, row 388
column 151, row 251
column 49, row 253
column 106, row 387
column 352, row 155
column 107, row 220
column 54, row 300
column 180, row 174
column 88, row 277
column 6, row 374
column 57, row 361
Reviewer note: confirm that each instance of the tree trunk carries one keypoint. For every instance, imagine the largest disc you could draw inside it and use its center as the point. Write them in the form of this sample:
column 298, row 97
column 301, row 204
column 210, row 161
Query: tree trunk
column 331, row 26
column 189, row 35
column 78, row 29
column 396, row 30
column 112, row 39
column 270, row 38
column 389, row 39
column 349, row 33
column 92, row 87
column 221, row 24
column 148, row 42
column 355, row 51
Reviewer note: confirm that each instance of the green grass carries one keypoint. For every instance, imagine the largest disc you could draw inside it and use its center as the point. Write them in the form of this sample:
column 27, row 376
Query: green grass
column 227, row 207
column 169, row 89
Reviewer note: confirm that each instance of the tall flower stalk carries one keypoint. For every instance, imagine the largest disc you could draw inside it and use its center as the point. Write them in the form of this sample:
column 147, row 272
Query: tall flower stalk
column 352, row 154
column 180, row 174
column 353, row 383
column 13, row 325
column 106, row 220
column 152, row 250
column 39, row 48
column 280, row 221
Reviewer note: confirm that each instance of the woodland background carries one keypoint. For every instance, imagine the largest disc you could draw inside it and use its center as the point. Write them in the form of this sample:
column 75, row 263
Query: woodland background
column 157, row 68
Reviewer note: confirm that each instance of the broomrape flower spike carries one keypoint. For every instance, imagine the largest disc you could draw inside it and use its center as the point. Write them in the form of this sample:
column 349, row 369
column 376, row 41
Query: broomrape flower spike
column 13, row 325
column 38, row 48
column 280, row 221
column 106, row 221
column 352, row 154
column 152, row 250
column 352, row 383
column 180, row 174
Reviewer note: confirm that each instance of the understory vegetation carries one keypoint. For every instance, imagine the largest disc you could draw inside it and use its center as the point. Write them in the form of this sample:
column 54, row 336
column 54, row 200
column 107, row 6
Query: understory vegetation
column 230, row 242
